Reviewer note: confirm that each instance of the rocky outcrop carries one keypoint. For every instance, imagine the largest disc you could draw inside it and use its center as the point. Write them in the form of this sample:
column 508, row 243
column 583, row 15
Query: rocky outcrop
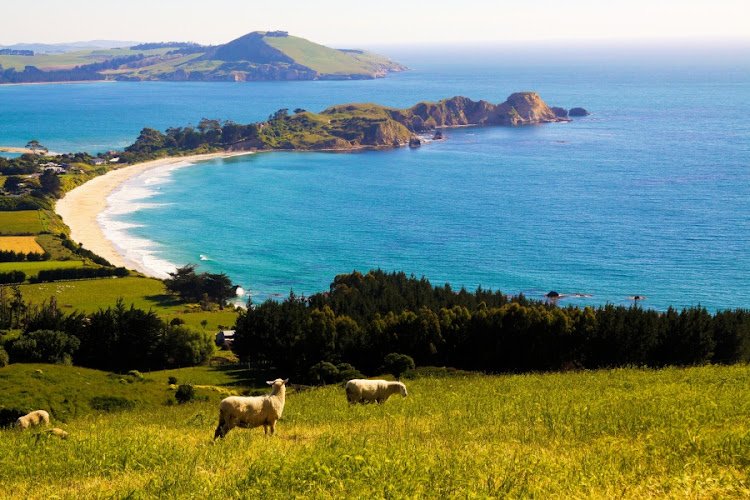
column 521, row 108
column 559, row 112
column 578, row 112
column 414, row 142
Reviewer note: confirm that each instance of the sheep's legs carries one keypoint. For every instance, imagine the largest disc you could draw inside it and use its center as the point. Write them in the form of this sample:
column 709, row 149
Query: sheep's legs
column 271, row 426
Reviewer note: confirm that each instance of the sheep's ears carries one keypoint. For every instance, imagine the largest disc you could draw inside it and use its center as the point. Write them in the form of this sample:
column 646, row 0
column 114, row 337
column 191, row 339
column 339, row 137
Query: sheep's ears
column 269, row 382
column 285, row 381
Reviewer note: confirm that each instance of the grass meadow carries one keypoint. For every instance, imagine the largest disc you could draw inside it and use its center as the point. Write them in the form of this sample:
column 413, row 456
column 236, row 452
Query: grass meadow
column 32, row 268
column 145, row 293
column 21, row 222
column 626, row 433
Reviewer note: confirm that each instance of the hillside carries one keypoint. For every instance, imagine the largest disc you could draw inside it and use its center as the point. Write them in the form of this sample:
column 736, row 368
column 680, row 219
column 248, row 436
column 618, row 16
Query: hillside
column 628, row 433
column 257, row 56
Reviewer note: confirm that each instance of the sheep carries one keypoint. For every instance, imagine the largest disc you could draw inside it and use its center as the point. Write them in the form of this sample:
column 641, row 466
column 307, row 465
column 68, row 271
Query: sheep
column 367, row 391
column 33, row 419
column 249, row 412
column 56, row 431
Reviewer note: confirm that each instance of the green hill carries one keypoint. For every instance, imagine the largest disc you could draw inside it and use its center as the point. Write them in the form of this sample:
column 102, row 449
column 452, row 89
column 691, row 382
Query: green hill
column 257, row 56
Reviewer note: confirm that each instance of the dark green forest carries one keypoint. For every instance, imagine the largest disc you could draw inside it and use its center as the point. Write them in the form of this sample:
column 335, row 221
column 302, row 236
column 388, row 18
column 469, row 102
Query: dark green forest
column 363, row 318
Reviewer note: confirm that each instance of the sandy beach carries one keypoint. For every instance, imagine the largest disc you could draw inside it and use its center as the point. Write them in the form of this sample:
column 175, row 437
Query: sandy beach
column 80, row 207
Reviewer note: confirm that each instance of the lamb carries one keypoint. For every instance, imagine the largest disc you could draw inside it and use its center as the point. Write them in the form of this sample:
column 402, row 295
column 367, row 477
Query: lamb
column 33, row 419
column 249, row 412
column 367, row 391
column 56, row 431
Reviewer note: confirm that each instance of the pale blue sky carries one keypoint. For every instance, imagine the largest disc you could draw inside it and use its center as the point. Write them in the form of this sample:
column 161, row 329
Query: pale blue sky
column 358, row 23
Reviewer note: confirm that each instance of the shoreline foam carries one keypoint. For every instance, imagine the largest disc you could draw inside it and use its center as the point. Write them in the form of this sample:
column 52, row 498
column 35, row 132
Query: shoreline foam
column 81, row 208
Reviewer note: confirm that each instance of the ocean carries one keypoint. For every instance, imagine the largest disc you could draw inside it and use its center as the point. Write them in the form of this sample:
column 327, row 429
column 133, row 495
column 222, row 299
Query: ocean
column 648, row 196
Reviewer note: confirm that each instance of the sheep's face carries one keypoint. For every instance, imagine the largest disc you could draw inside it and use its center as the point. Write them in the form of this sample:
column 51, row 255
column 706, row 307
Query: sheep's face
column 402, row 388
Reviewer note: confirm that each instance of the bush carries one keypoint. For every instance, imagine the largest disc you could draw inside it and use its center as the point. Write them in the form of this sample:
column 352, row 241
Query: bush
column 4, row 358
column 44, row 346
column 185, row 393
column 136, row 374
column 172, row 380
column 397, row 364
column 111, row 403
column 324, row 373
column 348, row 372
column 184, row 346
column 177, row 321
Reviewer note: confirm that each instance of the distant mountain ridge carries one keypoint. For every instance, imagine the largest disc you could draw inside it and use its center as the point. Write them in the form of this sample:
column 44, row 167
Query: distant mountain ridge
column 257, row 56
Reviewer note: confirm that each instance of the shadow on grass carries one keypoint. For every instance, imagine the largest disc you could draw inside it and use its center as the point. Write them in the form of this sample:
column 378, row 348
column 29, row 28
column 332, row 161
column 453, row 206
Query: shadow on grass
column 164, row 300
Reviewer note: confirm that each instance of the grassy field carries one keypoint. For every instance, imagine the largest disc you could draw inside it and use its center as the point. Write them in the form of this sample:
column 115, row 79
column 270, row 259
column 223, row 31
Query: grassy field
column 33, row 268
column 677, row 433
column 25, row 244
column 21, row 222
column 70, row 59
column 144, row 293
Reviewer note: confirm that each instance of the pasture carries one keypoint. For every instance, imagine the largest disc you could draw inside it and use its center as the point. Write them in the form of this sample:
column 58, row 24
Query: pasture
column 32, row 268
column 627, row 433
column 21, row 222
column 25, row 244
column 144, row 293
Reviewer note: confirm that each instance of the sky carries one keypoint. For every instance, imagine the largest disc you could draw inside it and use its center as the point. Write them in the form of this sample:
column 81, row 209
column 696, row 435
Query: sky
column 354, row 23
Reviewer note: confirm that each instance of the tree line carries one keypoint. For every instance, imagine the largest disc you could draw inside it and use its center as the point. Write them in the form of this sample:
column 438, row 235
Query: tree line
column 116, row 339
column 364, row 318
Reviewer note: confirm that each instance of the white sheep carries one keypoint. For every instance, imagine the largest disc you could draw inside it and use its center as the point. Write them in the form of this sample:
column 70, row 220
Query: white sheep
column 33, row 419
column 249, row 412
column 367, row 391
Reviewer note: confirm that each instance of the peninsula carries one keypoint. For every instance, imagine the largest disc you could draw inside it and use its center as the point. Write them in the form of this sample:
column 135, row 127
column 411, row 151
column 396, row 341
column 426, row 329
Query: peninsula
column 257, row 56
column 343, row 127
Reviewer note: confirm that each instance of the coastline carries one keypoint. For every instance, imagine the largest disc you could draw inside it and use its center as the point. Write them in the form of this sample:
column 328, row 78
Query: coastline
column 80, row 207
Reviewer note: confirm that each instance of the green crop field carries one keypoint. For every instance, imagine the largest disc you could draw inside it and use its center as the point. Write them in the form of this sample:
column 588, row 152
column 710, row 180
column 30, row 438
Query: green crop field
column 21, row 222
column 33, row 268
column 674, row 433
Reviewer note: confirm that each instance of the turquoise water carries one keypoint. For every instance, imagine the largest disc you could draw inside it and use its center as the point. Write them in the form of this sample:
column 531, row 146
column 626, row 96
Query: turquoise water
column 648, row 196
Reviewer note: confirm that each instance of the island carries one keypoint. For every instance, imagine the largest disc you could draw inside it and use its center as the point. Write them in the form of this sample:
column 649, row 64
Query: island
column 257, row 56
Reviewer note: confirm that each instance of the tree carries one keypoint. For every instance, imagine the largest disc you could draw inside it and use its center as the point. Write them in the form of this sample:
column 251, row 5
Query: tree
column 184, row 346
column 13, row 183
column 51, row 183
column 34, row 146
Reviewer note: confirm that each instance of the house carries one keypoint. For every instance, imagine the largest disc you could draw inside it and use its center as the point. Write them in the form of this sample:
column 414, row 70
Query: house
column 225, row 338
column 57, row 169
column 98, row 161
column 114, row 160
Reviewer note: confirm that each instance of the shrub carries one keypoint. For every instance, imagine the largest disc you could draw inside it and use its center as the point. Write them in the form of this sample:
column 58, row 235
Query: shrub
column 4, row 358
column 397, row 364
column 172, row 380
column 185, row 393
column 136, row 374
column 348, row 372
column 111, row 403
column 324, row 373
column 185, row 346
column 44, row 346
column 177, row 321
